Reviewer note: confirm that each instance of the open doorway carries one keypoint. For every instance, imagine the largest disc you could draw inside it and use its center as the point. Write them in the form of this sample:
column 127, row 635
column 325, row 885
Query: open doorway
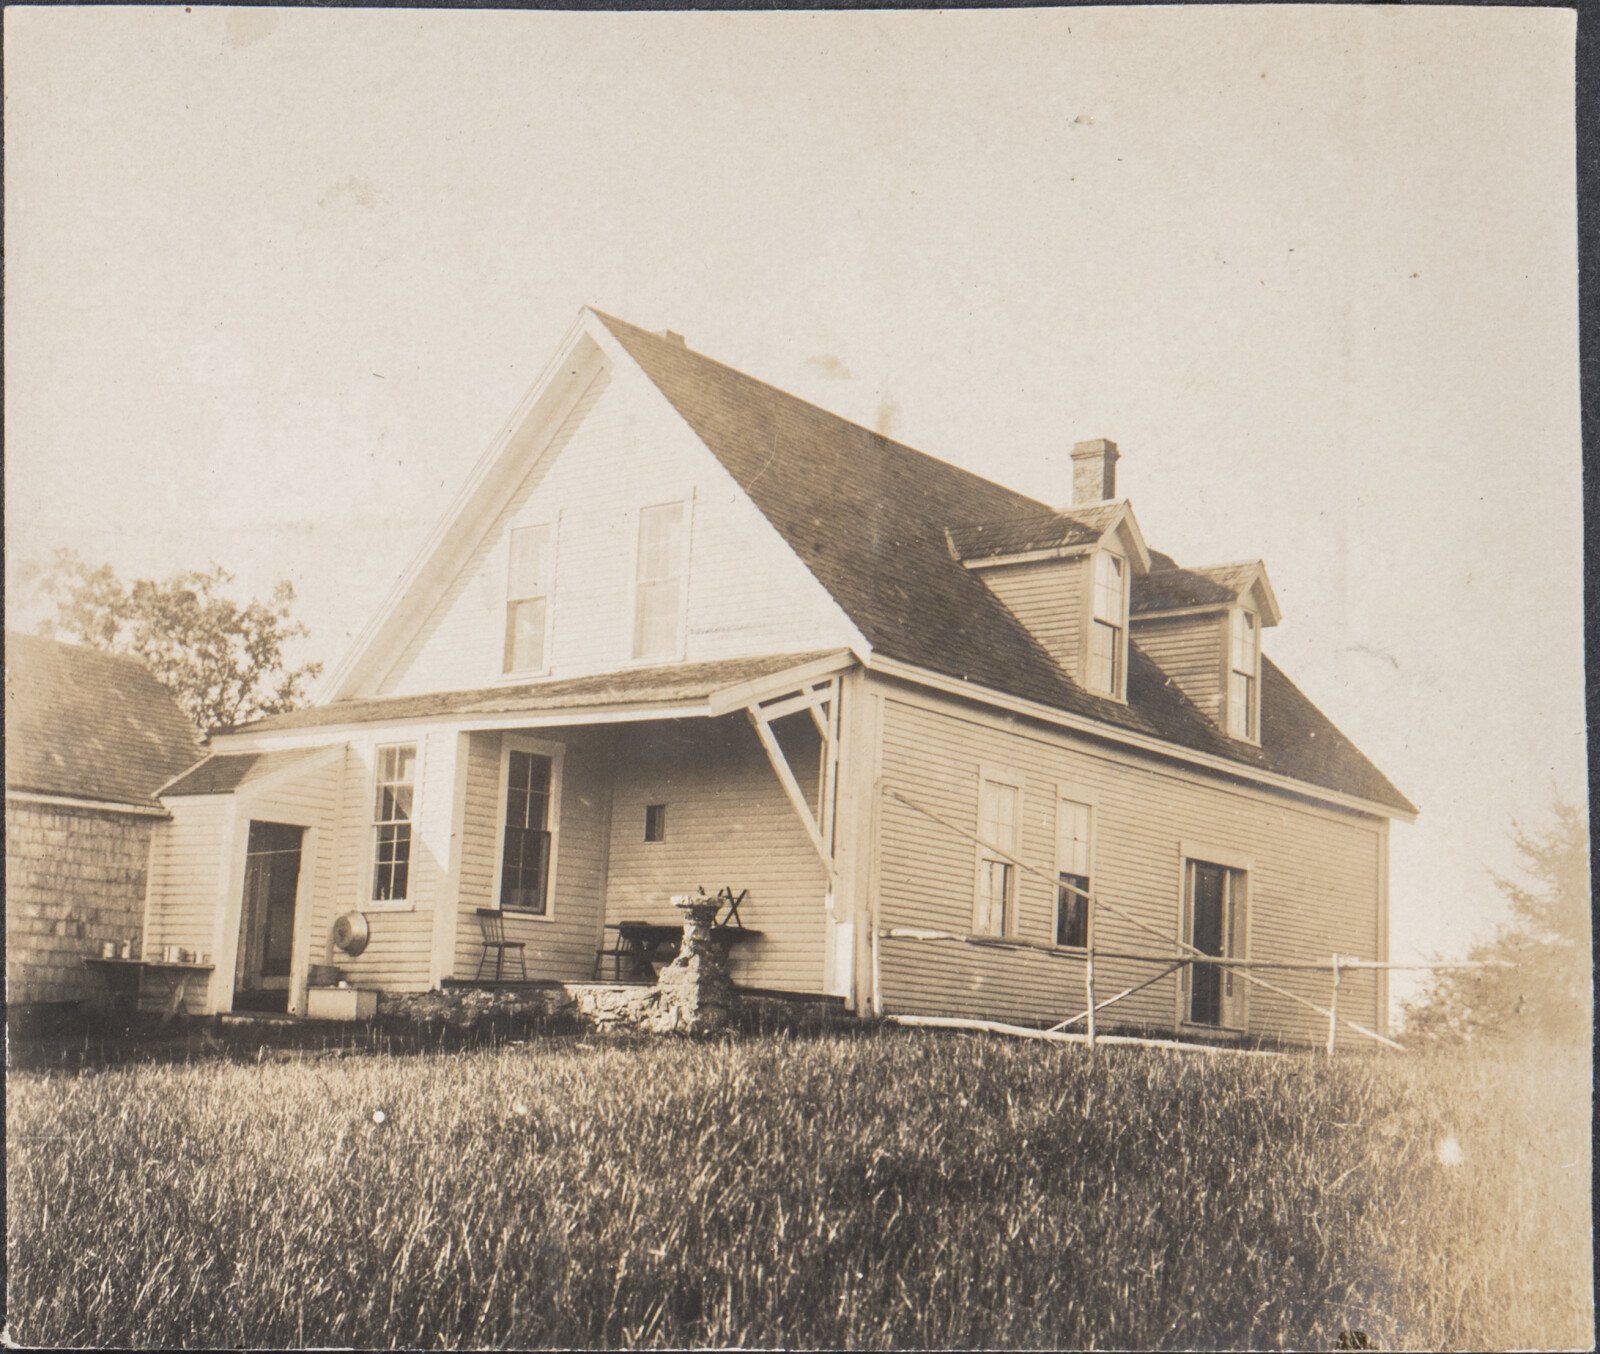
column 266, row 923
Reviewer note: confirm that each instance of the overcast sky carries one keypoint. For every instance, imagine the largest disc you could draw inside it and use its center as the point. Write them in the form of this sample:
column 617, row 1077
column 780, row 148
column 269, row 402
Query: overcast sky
column 275, row 279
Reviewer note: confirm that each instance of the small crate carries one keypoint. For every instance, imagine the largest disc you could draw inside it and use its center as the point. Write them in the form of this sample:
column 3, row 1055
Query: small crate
column 341, row 1003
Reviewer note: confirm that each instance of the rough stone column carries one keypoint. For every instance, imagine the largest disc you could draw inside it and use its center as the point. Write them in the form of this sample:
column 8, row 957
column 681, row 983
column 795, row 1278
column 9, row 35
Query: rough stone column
column 696, row 992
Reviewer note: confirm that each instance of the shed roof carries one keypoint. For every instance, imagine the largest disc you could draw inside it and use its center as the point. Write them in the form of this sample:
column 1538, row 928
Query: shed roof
column 223, row 773
column 84, row 724
column 869, row 517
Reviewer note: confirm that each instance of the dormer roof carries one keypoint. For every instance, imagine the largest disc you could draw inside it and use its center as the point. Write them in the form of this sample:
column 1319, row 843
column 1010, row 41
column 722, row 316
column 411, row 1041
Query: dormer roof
column 1046, row 535
column 1168, row 588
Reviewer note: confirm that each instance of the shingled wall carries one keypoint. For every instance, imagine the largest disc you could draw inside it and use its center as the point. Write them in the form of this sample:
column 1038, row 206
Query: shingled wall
column 74, row 877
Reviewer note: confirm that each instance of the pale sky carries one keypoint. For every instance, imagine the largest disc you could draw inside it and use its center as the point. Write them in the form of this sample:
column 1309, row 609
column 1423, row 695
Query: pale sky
column 275, row 278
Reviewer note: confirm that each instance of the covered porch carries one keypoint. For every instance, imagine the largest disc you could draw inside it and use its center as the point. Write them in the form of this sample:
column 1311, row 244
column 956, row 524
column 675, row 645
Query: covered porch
column 515, row 836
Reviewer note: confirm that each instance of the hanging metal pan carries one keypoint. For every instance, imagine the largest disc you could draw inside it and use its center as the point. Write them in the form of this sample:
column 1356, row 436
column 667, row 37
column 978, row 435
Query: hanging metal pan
column 350, row 933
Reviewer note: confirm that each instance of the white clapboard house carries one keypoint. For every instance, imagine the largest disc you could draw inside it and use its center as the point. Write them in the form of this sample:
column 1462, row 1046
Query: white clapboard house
column 682, row 629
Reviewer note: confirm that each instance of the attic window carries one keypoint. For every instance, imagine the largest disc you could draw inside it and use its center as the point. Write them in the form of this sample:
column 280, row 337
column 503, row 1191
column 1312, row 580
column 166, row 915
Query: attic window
column 1244, row 657
column 658, row 588
column 528, row 599
column 1109, row 627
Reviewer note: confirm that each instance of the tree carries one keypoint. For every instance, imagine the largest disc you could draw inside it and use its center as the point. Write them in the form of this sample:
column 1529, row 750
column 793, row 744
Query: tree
column 1549, row 991
column 222, row 661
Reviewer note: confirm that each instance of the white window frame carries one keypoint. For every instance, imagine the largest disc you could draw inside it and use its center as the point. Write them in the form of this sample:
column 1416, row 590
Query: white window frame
column 1120, row 658
column 982, row 856
column 366, row 902
column 685, row 554
column 556, row 752
column 1084, row 797
column 1208, row 853
column 1251, row 733
column 511, row 675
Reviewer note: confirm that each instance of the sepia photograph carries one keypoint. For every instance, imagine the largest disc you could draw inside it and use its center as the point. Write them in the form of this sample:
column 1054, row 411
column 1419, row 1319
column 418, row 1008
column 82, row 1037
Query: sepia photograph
column 867, row 679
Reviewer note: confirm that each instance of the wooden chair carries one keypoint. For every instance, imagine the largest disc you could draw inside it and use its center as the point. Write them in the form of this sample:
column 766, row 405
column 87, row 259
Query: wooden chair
column 492, row 922
column 731, row 901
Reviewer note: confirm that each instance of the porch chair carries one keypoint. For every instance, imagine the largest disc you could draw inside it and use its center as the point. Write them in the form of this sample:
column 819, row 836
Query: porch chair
column 731, row 901
column 492, row 923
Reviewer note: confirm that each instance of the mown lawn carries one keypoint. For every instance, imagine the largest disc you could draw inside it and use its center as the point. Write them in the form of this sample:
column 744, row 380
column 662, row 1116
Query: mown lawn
column 872, row 1189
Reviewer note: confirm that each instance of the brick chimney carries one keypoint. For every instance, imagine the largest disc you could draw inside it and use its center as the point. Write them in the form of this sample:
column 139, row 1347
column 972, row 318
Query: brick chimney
column 1094, row 471
column 672, row 336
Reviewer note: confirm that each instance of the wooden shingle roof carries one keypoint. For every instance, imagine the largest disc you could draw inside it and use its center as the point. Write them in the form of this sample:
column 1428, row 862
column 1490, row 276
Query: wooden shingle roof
column 84, row 724
column 870, row 518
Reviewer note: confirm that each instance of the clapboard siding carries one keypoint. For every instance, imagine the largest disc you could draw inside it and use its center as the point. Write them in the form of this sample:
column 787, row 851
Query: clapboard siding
column 728, row 822
column 185, row 895
column 747, row 592
column 1048, row 597
column 1314, row 875
column 1190, row 650
column 399, row 951
column 562, row 945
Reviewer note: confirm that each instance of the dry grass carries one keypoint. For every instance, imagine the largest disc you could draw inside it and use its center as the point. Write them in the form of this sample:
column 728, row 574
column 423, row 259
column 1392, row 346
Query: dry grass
column 867, row 1190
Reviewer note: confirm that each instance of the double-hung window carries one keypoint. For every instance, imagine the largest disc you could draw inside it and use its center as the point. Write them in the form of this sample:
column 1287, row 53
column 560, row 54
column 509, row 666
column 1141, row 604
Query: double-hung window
column 658, row 582
column 999, row 831
column 1244, row 660
column 1072, row 866
column 1108, row 624
column 528, row 599
column 393, row 808
column 526, row 838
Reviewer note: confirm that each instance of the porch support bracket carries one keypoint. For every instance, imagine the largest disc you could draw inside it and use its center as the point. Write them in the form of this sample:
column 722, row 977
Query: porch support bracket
column 821, row 699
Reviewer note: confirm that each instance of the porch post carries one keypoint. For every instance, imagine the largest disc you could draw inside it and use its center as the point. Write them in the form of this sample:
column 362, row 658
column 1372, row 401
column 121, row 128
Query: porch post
column 447, row 907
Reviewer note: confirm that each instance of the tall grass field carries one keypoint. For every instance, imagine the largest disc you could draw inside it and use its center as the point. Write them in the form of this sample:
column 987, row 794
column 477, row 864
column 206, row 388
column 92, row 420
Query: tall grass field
column 872, row 1189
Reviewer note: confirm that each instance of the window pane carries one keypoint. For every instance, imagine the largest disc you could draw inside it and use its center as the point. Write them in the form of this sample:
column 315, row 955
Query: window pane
column 994, row 891
column 524, row 870
column 1244, row 642
column 525, row 635
column 997, row 814
column 1072, row 838
column 530, row 548
column 1072, row 911
column 1108, row 591
column 1105, row 646
column 660, row 539
column 655, row 626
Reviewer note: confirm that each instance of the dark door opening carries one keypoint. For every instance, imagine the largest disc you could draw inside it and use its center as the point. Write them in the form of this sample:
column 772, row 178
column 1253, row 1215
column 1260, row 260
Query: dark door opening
column 1215, row 924
column 266, row 923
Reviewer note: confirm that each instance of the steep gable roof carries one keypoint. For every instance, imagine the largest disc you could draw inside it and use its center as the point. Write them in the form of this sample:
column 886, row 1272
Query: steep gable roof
column 869, row 517
column 84, row 724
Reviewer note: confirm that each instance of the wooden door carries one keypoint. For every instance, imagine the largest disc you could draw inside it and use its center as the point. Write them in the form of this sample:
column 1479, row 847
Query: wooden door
column 266, row 923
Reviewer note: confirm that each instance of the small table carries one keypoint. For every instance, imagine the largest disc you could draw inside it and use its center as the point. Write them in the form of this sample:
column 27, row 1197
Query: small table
column 124, row 980
column 642, row 945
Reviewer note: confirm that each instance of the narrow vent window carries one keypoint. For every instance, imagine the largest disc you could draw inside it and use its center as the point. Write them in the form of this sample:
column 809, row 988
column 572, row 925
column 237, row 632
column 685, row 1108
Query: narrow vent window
column 655, row 822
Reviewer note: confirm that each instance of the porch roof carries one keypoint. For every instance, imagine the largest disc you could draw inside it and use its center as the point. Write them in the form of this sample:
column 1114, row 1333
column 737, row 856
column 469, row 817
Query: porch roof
column 667, row 685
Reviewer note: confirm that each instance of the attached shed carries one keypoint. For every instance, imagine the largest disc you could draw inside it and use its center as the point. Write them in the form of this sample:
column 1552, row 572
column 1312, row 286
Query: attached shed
column 90, row 738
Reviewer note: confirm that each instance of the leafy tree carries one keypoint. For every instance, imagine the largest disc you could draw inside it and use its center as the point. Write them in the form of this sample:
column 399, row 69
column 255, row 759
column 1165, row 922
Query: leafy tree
column 221, row 660
column 1549, row 992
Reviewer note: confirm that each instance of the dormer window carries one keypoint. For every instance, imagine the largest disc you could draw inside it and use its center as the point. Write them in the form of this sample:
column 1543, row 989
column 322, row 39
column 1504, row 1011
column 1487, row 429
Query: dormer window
column 528, row 599
column 1244, row 662
column 1108, row 626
